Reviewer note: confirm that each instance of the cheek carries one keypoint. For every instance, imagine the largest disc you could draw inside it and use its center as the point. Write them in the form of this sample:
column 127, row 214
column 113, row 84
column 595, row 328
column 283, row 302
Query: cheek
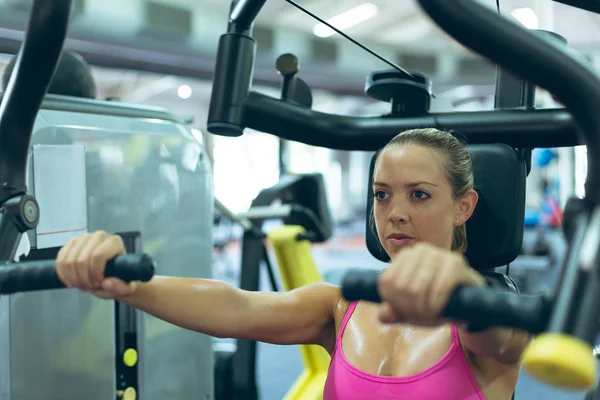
column 379, row 220
column 434, row 222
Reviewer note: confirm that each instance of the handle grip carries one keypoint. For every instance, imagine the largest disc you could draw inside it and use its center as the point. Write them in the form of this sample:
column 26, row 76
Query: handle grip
column 483, row 306
column 41, row 275
column 361, row 285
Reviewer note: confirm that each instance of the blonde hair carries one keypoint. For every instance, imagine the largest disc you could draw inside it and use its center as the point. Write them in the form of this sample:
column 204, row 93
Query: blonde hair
column 457, row 164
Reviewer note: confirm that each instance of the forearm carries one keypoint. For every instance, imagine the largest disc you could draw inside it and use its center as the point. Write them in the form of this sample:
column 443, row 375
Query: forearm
column 202, row 305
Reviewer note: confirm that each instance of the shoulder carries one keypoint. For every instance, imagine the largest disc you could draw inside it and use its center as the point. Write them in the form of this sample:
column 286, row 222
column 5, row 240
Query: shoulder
column 321, row 294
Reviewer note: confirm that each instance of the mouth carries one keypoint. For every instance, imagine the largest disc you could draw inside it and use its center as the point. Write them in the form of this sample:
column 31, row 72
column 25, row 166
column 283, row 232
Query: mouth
column 399, row 240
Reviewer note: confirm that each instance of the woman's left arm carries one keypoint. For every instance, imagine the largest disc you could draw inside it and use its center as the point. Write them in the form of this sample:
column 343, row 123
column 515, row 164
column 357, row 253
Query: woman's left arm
column 504, row 345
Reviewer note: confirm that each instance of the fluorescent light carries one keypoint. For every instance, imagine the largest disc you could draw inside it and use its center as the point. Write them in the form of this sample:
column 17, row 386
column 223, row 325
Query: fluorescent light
column 527, row 17
column 184, row 91
column 347, row 19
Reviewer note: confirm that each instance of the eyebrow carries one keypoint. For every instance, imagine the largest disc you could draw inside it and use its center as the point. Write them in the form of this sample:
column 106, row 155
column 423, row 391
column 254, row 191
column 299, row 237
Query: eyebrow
column 412, row 184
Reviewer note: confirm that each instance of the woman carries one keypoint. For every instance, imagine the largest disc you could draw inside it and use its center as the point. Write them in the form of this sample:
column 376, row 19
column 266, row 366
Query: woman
column 400, row 349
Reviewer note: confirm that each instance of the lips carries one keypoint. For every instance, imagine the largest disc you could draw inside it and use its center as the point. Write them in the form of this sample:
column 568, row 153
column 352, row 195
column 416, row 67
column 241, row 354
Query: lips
column 399, row 236
column 399, row 239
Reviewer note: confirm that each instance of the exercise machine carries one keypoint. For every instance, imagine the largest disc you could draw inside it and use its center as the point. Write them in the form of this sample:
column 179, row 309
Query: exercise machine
column 70, row 165
column 299, row 201
column 572, row 317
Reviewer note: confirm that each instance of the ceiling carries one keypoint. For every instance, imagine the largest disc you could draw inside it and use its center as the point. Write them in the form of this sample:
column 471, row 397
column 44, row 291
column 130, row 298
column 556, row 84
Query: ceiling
column 393, row 24
column 398, row 22
column 402, row 22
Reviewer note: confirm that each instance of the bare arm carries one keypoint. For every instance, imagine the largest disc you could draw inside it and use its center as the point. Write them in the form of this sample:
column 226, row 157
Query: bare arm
column 503, row 345
column 301, row 316
column 304, row 315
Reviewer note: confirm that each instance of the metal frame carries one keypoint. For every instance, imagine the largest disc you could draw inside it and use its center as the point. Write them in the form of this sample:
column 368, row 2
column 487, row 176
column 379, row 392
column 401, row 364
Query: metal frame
column 545, row 63
column 21, row 102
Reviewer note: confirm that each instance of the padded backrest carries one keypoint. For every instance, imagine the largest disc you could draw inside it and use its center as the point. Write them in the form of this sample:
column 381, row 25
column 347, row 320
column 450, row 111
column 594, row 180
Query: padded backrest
column 495, row 231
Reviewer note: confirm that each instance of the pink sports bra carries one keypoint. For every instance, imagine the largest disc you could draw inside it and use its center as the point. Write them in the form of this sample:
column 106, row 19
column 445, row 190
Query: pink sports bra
column 448, row 379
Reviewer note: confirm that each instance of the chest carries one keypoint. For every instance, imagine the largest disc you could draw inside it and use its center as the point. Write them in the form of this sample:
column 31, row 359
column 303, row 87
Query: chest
column 392, row 350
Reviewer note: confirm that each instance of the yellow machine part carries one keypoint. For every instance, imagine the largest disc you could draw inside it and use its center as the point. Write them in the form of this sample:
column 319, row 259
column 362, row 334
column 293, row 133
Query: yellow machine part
column 297, row 268
column 561, row 360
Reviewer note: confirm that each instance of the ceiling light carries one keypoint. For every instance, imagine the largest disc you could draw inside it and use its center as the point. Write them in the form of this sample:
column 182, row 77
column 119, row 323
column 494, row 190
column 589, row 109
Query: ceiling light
column 346, row 20
column 527, row 17
column 184, row 91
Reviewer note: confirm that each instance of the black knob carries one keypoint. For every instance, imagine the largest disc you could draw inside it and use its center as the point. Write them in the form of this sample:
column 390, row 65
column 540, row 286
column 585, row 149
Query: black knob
column 287, row 64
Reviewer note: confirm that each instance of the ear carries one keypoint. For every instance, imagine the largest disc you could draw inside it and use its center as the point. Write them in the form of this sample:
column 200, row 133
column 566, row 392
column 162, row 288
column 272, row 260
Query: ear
column 466, row 206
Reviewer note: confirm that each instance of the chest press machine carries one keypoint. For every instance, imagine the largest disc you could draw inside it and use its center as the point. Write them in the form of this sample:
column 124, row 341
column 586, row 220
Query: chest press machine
column 502, row 137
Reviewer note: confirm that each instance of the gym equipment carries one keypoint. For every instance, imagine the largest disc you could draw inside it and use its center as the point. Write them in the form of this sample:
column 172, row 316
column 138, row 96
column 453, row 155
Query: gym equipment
column 41, row 275
column 225, row 355
column 572, row 317
column 590, row 5
column 95, row 165
column 234, row 106
column 73, row 76
column 409, row 95
column 297, row 268
column 300, row 202
column 143, row 171
column 291, row 245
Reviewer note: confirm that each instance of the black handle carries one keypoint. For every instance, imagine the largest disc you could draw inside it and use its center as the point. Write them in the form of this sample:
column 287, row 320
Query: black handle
column 361, row 285
column 481, row 305
column 41, row 275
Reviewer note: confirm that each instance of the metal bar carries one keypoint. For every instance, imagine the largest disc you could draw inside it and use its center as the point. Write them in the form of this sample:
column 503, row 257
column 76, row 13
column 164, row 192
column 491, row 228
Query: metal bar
column 31, row 76
column 518, row 128
column 546, row 63
column 589, row 5
column 237, row 218
column 267, row 212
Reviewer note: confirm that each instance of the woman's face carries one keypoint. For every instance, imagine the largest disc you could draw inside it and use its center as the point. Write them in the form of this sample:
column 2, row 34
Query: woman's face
column 413, row 199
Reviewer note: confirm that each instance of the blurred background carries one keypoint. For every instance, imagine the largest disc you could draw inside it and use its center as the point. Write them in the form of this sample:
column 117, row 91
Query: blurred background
column 162, row 53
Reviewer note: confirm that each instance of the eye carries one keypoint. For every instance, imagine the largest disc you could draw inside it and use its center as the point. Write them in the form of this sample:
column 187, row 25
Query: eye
column 420, row 195
column 380, row 195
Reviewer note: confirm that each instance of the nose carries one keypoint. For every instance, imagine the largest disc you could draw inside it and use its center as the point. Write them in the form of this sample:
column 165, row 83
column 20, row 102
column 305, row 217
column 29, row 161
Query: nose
column 398, row 214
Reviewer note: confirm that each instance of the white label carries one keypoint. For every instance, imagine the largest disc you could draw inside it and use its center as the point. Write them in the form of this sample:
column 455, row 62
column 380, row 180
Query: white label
column 60, row 189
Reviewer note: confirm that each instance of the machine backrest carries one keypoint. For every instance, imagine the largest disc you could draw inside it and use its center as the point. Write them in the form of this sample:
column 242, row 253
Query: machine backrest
column 495, row 231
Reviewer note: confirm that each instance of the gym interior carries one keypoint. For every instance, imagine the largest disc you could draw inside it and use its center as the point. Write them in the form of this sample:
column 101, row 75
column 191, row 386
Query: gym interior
column 145, row 71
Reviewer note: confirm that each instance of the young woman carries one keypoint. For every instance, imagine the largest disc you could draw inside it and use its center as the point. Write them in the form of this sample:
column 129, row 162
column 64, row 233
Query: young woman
column 400, row 349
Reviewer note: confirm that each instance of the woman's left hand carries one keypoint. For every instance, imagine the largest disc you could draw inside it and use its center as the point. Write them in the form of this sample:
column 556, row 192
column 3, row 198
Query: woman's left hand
column 417, row 286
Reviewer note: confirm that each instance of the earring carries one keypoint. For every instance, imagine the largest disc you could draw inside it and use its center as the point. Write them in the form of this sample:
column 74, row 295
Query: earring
column 457, row 222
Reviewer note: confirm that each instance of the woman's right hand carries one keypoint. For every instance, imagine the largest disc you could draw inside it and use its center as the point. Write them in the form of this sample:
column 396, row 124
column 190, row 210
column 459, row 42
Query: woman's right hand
column 80, row 264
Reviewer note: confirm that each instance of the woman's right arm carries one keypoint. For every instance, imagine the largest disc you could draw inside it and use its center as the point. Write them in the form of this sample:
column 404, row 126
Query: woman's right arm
column 301, row 316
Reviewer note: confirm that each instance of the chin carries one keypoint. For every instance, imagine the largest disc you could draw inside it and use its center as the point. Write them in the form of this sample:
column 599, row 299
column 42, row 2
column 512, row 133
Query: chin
column 392, row 250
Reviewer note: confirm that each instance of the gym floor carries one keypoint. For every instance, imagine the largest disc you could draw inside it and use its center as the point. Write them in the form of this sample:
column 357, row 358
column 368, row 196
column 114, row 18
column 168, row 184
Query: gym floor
column 279, row 366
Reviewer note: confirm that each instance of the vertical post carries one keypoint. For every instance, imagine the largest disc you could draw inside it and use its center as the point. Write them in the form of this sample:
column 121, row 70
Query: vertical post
column 244, row 360
column 126, row 334
column 284, row 156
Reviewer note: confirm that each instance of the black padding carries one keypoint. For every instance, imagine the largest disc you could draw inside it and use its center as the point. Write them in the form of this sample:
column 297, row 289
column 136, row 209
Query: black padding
column 307, row 194
column 495, row 231
column 73, row 76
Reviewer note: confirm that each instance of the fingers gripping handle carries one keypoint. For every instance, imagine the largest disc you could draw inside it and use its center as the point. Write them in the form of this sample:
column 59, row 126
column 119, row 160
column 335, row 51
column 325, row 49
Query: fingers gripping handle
column 41, row 275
